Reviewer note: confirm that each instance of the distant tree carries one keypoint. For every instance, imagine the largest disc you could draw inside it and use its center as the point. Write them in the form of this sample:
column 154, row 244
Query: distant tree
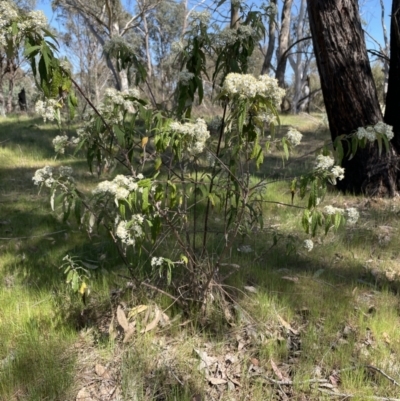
column 111, row 25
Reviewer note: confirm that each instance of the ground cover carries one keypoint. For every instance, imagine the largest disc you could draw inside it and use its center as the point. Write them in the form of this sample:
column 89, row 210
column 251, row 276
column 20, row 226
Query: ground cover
column 290, row 325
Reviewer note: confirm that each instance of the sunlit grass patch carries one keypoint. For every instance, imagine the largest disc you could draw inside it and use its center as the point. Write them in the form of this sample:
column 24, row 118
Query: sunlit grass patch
column 324, row 315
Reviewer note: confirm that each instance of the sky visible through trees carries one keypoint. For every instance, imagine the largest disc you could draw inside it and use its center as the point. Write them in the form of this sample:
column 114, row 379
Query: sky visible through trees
column 370, row 14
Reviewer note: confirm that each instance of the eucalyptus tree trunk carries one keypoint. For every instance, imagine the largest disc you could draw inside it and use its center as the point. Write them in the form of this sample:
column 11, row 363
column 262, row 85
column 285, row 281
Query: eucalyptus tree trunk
column 386, row 50
column 11, row 70
column 271, row 42
column 235, row 17
column 2, row 105
column 299, row 62
column 283, row 46
column 392, row 110
column 349, row 92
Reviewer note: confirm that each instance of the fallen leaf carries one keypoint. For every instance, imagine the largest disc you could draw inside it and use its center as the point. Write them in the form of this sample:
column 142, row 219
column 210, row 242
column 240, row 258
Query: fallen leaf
column 111, row 331
column 318, row 272
column 129, row 333
column 255, row 361
column 123, row 322
column 99, row 369
column 333, row 380
column 277, row 371
column 84, row 395
column 291, row 278
column 153, row 324
column 287, row 326
column 216, row 380
column 250, row 288
column 136, row 310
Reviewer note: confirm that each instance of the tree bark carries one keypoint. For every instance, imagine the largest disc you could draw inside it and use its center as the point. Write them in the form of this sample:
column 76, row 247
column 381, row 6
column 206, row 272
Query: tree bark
column 349, row 92
column 235, row 17
column 271, row 42
column 392, row 110
column 283, row 43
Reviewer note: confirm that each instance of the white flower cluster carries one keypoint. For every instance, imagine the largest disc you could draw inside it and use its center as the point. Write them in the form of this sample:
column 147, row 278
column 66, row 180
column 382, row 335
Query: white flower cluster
column 47, row 109
column 112, row 109
column 324, row 162
column 9, row 15
column 185, row 77
column 371, row 131
column 60, row 142
column 352, row 215
column 177, row 47
column 46, row 175
column 194, row 135
column 294, row 136
column 156, row 262
column 115, row 97
column 129, row 231
column 120, row 187
column 65, row 171
column 308, row 244
column 328, row 163
column 230, row 36
column 337, row 174
column 197, row 17
column 245, row 86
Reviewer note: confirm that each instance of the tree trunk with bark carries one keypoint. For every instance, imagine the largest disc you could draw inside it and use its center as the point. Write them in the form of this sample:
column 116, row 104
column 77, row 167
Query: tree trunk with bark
column 271, row 41
column 349, row 92
column 283, row 43
column 392, row 110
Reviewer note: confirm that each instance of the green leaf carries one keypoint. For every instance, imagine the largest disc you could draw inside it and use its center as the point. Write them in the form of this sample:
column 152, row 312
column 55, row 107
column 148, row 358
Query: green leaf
column 305, row 221
column 285, row 148
column 120, row 134
column 337, row 220
column 78, row 210
column 145, row 199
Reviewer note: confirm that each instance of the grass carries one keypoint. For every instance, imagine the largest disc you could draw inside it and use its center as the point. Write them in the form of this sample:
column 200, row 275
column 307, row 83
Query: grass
column 327, row 320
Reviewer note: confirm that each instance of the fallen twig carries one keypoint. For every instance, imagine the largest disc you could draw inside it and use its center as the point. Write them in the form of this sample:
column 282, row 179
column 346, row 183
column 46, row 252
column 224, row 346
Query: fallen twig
column 383, row 374
column 291, row 382
column 365, row 397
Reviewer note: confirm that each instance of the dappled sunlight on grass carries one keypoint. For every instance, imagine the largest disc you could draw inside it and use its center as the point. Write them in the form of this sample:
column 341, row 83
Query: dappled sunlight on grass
column 312, row 319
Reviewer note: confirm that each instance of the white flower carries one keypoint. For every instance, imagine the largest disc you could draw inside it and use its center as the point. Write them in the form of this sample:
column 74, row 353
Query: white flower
column 155, row 262
column 193, row 135
column 59, row 143
column 352, row 215
column 331, row 210
column 245, row 249
column 197, row 17
column 338, row 172
column 324, row 162
column 384, row 129
column 47, row 109
column 245, row 86
column 368, row 133
column 294, row 136
column 308, row 244
column 129, row 231
column 44, row 176
column 65, row 171
column 185, row 77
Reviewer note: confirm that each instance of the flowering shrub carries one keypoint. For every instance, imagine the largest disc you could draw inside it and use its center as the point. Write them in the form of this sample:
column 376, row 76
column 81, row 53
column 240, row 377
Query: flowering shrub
column 176, row 180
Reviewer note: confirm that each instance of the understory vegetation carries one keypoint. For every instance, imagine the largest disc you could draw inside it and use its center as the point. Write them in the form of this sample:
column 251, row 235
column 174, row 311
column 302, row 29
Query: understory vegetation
column 285, row 324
